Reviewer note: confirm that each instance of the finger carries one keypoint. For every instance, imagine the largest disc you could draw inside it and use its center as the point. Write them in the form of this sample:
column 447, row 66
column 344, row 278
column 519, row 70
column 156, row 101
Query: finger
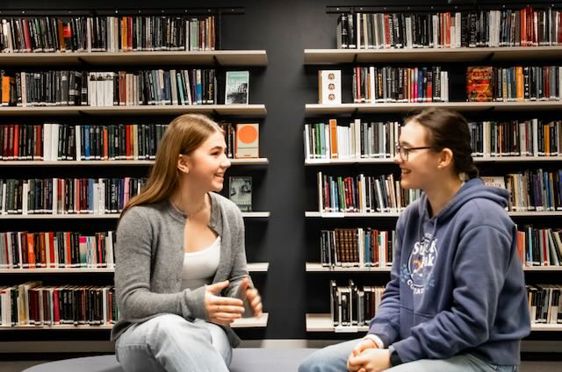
column 227, row 309
column 256, row 301
column 226, row 317
column 217, row 300
column 216, row 288
column 251, row 293
column 257, row 308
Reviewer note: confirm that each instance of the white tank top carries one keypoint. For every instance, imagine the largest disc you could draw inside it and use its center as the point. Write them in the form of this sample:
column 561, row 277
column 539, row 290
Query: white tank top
column 199, row 267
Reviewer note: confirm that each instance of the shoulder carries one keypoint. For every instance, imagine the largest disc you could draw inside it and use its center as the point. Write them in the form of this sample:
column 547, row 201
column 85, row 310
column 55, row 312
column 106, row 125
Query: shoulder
column 485, row 213
column 143, row 215
column 412, row 211
column 226, row 205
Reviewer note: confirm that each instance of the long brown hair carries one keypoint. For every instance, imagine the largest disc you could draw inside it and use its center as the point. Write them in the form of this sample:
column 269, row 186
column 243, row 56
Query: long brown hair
column 183, row 136
column 447, row 128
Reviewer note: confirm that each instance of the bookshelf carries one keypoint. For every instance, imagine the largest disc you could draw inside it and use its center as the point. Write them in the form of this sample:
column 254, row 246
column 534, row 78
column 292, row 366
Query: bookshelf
column 322, row 322
column 248, row 111
column 259, row 322
column 424, row 55
column 464, row 107
column 253, row 267
column 344, row 60
column 109, row 163
column 221, row 60
column 215, row 57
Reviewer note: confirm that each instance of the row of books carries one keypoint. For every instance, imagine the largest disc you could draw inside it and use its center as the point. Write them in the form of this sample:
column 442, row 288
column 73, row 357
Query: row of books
column 467, row 29
column 363, row 194
column 33, row 304
column 67, row 195
column 107, row 34
column 515, row 83
column 353, row 305
column 242, row 140
column 533, row 190
column 539, row 246
column 51, row 142
column 400, row 84
column 534, row 138
column 356, row 247
column 544, row 303
column 75, row 88
column 376, row 140
column 56, row 249
column 359, row 140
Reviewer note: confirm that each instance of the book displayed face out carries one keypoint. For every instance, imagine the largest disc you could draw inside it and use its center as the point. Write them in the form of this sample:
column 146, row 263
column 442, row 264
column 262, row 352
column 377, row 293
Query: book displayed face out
column 237, row 88
column 240, row 192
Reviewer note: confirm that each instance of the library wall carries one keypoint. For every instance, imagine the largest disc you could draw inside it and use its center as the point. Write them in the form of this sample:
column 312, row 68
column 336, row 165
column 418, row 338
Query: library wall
column 284, row 28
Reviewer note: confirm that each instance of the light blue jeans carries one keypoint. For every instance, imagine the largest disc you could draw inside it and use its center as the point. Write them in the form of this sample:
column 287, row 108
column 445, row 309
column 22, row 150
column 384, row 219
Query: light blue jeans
column 170, row 343
column 334, row 359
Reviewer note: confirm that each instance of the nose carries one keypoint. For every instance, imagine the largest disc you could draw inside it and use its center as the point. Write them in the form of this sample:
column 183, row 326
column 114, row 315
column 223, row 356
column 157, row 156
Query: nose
column 398, row 158
column 225, row 163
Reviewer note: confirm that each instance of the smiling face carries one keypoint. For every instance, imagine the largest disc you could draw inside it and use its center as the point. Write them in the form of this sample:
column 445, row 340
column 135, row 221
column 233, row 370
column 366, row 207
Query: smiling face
column 208, row 163
column 419, row 167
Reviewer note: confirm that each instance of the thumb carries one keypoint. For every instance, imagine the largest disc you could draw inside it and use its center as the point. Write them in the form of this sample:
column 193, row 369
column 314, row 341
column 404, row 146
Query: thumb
column 245, row 284
column 216, row 288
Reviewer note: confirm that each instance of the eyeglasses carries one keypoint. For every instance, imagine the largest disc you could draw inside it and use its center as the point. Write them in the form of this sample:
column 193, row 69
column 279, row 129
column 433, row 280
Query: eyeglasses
column 404, row 152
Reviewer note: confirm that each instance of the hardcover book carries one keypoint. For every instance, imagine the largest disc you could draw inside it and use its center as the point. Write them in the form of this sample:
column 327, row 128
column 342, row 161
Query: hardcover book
column 479, row 83
column 237, row 87
column 241, row 192
column 247, row 141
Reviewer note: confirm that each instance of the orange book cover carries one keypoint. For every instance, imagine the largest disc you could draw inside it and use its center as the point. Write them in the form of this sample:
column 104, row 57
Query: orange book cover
column 30, row 250
column 105, row 144
column 521, row 246
column 519, row 83
column 479, row 83
column 333, row 138
column 51, row 239
column 6, row 84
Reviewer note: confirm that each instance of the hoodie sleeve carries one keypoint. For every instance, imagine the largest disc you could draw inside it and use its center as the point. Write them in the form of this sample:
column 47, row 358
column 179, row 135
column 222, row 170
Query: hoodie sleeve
column 386, row 323
column 479, row 269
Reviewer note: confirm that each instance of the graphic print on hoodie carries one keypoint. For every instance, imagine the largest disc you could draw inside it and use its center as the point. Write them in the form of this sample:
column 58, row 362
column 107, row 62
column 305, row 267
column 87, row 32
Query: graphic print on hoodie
column 456, row 284
column 417, row 272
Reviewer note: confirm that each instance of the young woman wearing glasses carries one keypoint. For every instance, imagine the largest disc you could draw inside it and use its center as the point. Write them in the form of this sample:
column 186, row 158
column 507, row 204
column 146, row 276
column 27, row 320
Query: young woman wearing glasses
column 456, row 300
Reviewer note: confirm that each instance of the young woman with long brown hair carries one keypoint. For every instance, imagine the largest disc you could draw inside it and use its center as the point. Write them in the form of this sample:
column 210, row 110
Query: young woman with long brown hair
column 180, row 259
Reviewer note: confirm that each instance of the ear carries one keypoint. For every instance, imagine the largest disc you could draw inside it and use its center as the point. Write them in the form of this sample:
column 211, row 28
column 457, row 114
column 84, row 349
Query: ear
column 445, row 158
column 183, row 163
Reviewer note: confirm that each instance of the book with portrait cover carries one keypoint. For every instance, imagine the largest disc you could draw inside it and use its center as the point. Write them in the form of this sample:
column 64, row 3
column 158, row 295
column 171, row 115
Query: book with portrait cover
column 479, row 83
column 240, row 192
column 237, row 87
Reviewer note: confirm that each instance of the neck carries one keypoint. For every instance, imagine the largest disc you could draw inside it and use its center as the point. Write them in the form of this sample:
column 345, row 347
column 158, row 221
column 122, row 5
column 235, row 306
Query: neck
column 188, row 201
column 440, row 195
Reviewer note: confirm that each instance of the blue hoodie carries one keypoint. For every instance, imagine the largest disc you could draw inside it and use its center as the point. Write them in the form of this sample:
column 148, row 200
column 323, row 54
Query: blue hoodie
column 456, row 284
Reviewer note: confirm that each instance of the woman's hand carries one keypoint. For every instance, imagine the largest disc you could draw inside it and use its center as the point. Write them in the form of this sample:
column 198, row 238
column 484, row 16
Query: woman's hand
column 222, row 310
column 370, row 360
column 254, row 299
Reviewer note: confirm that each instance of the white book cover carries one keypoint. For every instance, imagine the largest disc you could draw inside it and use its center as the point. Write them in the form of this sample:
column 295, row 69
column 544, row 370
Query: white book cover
column 329, row 87
column 306, row 138
column 357, row 135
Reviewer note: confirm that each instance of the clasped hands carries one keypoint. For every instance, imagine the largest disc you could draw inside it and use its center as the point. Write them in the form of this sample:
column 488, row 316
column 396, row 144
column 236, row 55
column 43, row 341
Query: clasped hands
column 367, row 357
column 225, row 310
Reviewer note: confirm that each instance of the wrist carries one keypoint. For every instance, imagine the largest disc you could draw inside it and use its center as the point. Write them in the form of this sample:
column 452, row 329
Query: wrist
column 394, row 358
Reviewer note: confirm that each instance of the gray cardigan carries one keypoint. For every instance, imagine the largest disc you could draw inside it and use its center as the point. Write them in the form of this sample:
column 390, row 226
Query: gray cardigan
column 149, row 257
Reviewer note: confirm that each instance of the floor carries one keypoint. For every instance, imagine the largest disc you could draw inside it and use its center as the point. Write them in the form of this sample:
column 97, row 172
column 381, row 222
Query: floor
column 527, row 366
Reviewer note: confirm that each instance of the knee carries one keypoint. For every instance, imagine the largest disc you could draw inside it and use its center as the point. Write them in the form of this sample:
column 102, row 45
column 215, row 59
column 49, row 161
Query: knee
column 311, row 364
column 171, row 327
